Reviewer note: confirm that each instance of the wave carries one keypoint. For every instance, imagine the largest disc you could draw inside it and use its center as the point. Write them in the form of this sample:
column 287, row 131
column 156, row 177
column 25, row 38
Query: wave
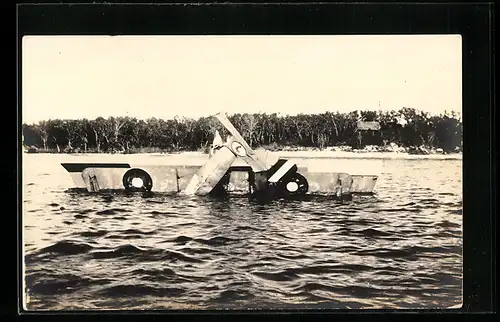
column 356, row 222
column 181, row 240
column 281, row 276
column 141, row 290
column 164, row 275
column 156, row 212
column 139, row 254
column 215, row 241
column 294, row 256
column 85, row 211
column 121, row 251
column 409, row 252
column 448, row 224
column 245, row 228
column 68, row 248
column 371, row 232
column 346, row 249
column 229, row 296
column 98, row 233
column 360, row 291
column 112, row 211
column 199, row 251
column 61, row 248
column 415, row 208
column 60, row 284
column 179, row 256
column 133, row 231
column 291, row 274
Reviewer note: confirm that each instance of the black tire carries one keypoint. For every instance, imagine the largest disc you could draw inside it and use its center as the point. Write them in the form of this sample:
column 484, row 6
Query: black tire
column 147, row 182
column 303, row 186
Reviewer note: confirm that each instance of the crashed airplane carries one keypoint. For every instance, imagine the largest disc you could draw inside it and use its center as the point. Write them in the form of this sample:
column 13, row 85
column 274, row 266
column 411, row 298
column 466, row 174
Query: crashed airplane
column 233, row 168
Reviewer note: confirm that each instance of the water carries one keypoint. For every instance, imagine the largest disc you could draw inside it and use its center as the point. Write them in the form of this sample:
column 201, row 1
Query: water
column 401, row 248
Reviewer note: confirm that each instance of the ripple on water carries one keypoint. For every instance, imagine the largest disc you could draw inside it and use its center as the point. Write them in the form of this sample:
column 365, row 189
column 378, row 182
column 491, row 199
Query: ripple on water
column 399, row 248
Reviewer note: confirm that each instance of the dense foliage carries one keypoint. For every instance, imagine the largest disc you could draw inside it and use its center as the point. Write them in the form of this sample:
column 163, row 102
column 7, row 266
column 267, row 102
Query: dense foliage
column 407, row 127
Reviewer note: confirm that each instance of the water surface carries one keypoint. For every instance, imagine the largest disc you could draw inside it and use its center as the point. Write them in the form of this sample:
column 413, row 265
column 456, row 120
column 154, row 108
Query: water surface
column 401, row 248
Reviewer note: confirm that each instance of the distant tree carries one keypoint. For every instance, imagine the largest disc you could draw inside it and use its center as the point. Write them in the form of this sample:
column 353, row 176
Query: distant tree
column 43, row 130
column 98, row 127
column 128, row 134
column 72, row 129
column 406, row 127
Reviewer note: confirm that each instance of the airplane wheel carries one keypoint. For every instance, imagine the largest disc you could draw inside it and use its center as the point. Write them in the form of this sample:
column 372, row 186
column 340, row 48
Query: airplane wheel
column 137, row 180
column 296, row 186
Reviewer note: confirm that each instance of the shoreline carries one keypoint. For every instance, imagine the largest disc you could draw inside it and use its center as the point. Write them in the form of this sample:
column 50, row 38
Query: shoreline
column 367, row 155
column 303, row 154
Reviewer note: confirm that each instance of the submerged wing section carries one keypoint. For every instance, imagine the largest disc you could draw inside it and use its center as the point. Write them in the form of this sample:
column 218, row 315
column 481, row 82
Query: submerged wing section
column 79, row 167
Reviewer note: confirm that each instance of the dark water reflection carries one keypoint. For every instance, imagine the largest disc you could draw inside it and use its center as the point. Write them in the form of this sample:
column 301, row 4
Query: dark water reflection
column 401, row 248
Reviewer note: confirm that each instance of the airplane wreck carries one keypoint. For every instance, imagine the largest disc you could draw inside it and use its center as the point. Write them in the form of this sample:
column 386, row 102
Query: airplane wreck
column 233, row 168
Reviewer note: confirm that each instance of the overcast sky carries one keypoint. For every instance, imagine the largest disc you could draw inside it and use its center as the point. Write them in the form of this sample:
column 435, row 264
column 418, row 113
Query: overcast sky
column 164, row 76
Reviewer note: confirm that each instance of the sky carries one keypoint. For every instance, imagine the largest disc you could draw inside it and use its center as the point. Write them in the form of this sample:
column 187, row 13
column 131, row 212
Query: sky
column 73, row 77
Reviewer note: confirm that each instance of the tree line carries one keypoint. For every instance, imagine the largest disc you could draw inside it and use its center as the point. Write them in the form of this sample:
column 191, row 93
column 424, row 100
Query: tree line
column 407, row 127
